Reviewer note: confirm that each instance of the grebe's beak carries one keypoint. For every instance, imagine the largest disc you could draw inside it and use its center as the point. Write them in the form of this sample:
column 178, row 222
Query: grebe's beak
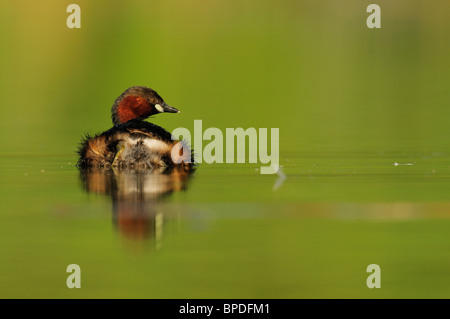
column 164, row 108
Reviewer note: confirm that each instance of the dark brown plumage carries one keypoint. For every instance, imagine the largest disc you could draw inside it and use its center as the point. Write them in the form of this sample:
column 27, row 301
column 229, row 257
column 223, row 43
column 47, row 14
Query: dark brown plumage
column 133, row 142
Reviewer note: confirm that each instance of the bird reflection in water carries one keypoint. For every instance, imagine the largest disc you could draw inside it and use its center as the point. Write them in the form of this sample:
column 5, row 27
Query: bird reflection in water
column 136, row 197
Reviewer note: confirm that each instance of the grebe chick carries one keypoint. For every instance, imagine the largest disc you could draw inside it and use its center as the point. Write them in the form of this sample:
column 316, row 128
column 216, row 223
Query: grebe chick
column 132, row 142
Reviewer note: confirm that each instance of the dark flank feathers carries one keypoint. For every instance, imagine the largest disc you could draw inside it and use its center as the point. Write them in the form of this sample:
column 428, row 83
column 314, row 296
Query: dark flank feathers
column 99, row 150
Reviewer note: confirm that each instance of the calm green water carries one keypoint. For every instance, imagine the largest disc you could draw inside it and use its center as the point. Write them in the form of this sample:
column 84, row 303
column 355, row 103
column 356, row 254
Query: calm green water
column 364, row 149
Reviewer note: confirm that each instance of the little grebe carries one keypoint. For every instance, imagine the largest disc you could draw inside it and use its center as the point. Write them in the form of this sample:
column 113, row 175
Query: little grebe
column 132, row 142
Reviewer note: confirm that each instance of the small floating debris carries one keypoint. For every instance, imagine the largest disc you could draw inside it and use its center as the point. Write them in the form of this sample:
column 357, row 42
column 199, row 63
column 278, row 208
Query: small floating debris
column 280, row 180
column 42, row 170
column 397, row 164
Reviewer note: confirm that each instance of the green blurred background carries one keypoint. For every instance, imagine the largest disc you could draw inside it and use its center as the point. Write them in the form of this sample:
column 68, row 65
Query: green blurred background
column 349, row 101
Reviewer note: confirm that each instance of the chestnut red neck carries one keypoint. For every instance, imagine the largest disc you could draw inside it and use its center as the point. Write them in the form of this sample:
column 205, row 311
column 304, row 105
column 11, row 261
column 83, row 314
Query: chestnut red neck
column 138, row 102
column 132, row 107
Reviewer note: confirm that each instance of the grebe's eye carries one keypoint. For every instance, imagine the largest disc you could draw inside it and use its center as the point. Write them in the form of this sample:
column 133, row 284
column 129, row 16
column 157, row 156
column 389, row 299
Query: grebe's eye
column 159, row 108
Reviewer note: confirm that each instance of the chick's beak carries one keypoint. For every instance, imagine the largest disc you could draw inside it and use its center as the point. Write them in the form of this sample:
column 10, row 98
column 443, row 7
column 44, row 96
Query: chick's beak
column 164, row 108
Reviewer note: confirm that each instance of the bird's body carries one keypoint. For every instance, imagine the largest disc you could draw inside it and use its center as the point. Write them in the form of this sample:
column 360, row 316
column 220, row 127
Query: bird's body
column 132, row 142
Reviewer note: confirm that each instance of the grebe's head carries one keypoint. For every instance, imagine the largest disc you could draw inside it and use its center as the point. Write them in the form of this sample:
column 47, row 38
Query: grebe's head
column 138, row 102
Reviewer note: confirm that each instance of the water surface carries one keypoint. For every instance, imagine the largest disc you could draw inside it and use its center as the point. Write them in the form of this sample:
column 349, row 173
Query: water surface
column 225, row 232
